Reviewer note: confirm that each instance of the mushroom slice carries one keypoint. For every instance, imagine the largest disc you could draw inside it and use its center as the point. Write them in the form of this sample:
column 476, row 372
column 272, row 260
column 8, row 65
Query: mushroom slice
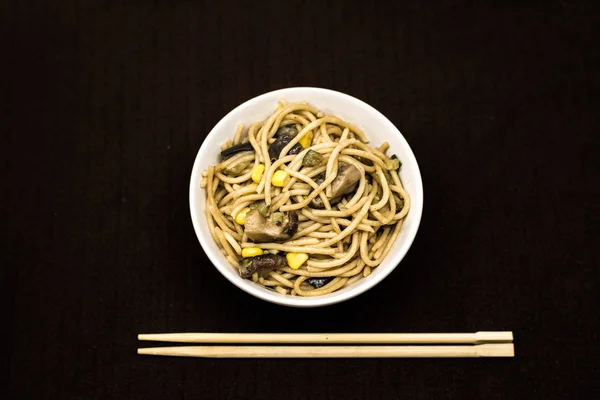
column 278, row 226
column 278, row 145
column 265, row 262
column 345, row 182
column 238, row 148
column 318, row 283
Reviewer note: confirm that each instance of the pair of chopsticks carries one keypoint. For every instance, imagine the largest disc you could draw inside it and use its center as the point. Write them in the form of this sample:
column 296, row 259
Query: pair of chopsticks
column 365, row 345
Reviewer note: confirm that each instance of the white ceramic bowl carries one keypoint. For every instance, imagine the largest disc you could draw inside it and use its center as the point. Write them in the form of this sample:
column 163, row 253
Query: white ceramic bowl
column 377, row 128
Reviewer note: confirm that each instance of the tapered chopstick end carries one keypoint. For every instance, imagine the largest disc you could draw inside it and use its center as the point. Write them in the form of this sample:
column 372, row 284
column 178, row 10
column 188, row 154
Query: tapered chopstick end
column 496, row 350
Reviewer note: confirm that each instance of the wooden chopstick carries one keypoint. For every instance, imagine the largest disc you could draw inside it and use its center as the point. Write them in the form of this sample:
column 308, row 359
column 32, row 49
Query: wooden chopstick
column 334, row 338
column 480, row 350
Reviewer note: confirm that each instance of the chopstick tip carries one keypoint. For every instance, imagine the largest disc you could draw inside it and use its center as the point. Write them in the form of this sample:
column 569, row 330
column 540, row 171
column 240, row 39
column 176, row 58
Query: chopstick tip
column 496, row 350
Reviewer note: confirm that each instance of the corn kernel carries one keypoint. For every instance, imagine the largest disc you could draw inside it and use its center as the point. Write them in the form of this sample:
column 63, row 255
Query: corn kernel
column 306, row 140
column 251, row 252
column 295, row 260
column 257, row 172
column 280, row 178
column 240, row 218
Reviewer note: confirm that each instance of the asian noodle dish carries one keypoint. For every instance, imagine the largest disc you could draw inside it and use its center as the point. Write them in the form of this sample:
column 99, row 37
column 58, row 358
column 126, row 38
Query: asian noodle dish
column 301, row 203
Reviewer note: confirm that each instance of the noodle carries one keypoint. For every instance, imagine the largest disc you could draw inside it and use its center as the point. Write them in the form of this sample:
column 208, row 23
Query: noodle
column 348, row 206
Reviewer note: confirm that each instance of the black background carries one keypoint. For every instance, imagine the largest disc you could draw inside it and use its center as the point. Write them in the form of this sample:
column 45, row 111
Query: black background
column 104, row 106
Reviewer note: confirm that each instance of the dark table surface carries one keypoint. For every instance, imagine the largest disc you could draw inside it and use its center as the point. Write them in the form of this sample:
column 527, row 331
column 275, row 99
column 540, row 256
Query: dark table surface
column 104, row 106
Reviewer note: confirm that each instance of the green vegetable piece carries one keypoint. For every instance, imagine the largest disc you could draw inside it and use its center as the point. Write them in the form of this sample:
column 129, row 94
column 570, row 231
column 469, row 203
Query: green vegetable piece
column 262, row 207
column 236, row 168
column 312, row 159
column 278, row 217
column 287, row 130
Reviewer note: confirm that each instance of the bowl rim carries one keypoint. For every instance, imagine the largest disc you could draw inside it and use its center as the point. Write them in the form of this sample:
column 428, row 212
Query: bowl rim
column 272, row 296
